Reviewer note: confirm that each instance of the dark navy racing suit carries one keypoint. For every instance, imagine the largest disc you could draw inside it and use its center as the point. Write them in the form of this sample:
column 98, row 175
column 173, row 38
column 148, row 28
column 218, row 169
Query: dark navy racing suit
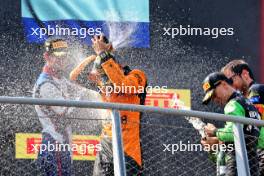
column 256, row 96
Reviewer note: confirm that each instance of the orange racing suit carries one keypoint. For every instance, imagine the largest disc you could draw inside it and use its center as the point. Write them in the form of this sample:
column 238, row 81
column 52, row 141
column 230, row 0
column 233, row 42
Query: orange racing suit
column 124, row 78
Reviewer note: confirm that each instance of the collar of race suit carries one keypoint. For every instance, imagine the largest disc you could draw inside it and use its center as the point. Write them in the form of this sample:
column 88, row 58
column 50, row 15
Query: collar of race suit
column 234, row 95
column 253, row 82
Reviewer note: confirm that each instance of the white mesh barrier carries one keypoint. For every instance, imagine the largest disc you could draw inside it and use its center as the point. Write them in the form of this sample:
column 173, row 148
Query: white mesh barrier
column 170, row 145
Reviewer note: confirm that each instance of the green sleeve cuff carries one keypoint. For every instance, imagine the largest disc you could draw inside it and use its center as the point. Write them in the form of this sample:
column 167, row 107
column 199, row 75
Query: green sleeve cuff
column 225, row 134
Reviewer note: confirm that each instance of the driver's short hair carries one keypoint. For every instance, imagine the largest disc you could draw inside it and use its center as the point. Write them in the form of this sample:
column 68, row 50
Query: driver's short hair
column 237, row 66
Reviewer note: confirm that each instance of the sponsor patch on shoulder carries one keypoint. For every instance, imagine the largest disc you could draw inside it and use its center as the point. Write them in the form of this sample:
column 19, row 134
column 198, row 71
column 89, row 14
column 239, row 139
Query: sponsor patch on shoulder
column 253, row 94
column 255, row 99
column 229, row 108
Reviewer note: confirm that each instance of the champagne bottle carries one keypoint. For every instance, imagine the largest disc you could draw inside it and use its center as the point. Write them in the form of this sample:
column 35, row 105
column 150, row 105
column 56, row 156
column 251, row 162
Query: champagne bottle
column 220, row 162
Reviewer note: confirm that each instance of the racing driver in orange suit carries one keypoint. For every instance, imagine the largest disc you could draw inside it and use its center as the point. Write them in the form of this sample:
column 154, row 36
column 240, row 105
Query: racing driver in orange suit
column 107, row 73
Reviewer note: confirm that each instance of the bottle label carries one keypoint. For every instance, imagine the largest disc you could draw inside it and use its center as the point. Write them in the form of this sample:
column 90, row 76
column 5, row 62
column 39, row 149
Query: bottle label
column 222, row 170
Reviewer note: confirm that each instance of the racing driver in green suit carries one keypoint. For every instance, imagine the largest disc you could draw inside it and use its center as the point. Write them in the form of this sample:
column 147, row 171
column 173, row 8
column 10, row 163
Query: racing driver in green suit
column 217, row 87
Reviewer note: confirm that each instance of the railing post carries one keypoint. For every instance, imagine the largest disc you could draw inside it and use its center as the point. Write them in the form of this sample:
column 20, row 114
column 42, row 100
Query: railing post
column 118, row 152
column 240, row 151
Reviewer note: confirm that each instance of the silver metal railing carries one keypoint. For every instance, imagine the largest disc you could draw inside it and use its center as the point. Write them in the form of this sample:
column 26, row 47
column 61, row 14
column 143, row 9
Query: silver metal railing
column 241, row 156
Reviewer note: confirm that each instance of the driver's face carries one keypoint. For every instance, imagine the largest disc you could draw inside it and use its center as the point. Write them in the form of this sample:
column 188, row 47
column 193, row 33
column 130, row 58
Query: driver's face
column 238, row 82
column 219, row 94
column 59, row 63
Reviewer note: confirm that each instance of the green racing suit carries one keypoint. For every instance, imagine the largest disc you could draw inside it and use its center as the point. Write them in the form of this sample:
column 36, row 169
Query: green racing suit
column 243, row 108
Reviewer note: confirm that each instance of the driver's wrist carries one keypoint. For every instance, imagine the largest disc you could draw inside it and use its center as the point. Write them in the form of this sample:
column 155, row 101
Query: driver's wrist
column 100, row 51
column 105, row 56
column 215, row 132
